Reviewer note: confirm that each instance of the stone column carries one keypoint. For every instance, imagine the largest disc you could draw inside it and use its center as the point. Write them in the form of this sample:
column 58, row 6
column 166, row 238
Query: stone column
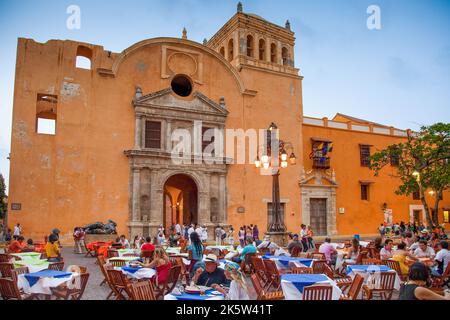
column 222, row 198
column 138, row 133
column 268, row 52
column 204, row 201
column 169, row 136
column 135, row 200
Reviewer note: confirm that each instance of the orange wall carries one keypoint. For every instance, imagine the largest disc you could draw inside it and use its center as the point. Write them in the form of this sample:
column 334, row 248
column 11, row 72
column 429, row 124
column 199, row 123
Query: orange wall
column 361, row 217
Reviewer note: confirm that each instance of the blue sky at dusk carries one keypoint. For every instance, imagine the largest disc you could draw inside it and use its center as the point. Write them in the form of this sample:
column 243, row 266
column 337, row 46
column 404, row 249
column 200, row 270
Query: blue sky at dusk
column 399, row 75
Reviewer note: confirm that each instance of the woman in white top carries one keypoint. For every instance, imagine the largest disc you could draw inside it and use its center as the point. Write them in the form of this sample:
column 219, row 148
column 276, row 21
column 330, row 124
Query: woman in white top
column 204, row 235
column 238, row 288
column 231, row 236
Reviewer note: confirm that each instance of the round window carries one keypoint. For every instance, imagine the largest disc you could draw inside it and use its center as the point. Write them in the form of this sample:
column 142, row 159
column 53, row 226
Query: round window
column 181, row 85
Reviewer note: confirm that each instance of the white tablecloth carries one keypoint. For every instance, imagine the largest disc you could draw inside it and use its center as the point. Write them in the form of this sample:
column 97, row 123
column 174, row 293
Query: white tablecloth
column 375, row 271
column 291, row 292
column 43, row 285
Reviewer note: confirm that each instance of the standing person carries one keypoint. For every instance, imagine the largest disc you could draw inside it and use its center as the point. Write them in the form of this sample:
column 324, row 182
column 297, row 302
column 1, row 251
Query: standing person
column 8, row 235
column 161, row 229
column 218, row 234
column 309, row 237
column 186, row 232
column 304, row 237
column 382, row 230
column 196, row 247
column 241, row 236
column 249, row 231
column 255, row 233
column 204, row 236
column 199, row 230
column 190, row 231
column 161, row 238
column 231, row 236
column 178, row 228
column 223, row 235
column 124, row 242
column 17, row 231
column 78, row 237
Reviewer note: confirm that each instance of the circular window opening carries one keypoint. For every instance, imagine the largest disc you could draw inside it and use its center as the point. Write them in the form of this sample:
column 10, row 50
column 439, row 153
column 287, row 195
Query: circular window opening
column 181, row 85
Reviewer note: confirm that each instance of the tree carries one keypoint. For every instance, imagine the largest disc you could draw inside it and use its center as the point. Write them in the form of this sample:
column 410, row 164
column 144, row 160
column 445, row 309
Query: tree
column 423, row 163
column 3, row 197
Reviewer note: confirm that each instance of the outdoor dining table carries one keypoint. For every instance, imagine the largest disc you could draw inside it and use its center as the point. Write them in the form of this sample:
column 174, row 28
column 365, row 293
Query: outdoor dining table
column 32, row 265
column 221, row 248
column 27, row 255
column 366, row 270
column 43, row 281
column 123, row 258
column 138, row 273
column 284, row 262
column 183, row 296
column 293, row 285
column 127, row 251
column 173, row 250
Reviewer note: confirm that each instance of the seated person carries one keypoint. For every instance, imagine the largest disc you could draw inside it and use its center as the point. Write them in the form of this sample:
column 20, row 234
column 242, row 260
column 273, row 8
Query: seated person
column 424, row 250
column 117, row 244
column 267, row 244
column 29, row 247
column 295, row 243
column 249, row 248
column 378, row 244
column 329, row 251
column 386, row 252
column 161, row 263
column 352, row 254
column 400, row 255
column 442, row 259
column 238, row 288
column 416, row 286
column 174, row 238
column 124, row 242
column 52, row 249
column 211, row 274
column 16, row 245
column 147, row 245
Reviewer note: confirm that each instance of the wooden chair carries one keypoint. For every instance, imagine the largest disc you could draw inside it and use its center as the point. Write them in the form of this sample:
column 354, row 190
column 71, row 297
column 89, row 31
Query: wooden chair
column 260, row 270
column 58, row 266
column 83, row 269
column 4, row 257
column 305, row 255
column 118, row 263
column 106, row 267
column 317, row 292
column 318, row 266
column 89, row 253
column 302, row 270
column 273, row 275
column 342, row 282
column 18, row 271
column 130, row 255
column 355, row 288
column 112, row 253
column 442, row 280
column 119, row 284
column 318, row 256
column 10, row 291
column 246, row 265
column 264, row 251
column 317, row 246
column 261, row 293
column 295, row 252
column 43, row 256
column 184, row 271
column 164, row 288
column 5, row 269
column 395, row 265
column 142, row 290
column 73, row 293
column 371, row 261
column 382, row 286
column 101, row 262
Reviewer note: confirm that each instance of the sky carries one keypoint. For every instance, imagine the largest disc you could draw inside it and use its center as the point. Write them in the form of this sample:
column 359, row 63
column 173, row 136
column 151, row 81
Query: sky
column 397, row 75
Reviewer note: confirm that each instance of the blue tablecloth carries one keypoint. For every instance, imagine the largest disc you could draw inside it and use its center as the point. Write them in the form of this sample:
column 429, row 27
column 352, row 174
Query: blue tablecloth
column 130, row 269
column 367, row 268
column 188, row 296
column 303, row 280
column 32, row 278
column 286, row 260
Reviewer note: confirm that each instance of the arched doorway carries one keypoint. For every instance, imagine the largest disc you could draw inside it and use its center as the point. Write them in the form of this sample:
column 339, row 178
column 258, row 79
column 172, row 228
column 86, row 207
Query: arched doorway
column 180, row 201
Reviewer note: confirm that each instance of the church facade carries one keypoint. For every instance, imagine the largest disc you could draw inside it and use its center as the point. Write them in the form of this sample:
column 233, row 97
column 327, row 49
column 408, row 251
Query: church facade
column 109, row 152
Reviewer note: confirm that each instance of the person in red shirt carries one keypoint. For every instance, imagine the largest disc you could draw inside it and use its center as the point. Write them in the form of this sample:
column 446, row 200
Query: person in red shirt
column 147, row 249
column 17, row 245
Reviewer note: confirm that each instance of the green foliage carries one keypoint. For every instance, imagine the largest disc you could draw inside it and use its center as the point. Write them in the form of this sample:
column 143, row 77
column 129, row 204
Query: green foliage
column 423, row 163
column 3, row 204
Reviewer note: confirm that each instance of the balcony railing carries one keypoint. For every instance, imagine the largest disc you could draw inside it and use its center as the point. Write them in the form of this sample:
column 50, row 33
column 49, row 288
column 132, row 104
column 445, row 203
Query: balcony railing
column 319, row 163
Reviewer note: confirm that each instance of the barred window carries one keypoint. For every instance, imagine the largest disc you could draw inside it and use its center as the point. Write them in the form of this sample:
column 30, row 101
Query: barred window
column 364, row 151
column 153, row 134
column 364, row 192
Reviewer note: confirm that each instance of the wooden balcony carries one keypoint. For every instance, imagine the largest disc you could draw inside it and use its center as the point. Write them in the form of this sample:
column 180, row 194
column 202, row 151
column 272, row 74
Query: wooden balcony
column 318, row 164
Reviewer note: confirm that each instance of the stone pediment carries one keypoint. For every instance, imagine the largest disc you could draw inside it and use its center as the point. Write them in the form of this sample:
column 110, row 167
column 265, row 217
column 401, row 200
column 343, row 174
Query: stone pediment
column 166, row 100
column 317, row 178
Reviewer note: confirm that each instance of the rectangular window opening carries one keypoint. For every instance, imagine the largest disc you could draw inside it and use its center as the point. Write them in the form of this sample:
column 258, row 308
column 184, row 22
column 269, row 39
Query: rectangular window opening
column 46, row 114
column 152, row 134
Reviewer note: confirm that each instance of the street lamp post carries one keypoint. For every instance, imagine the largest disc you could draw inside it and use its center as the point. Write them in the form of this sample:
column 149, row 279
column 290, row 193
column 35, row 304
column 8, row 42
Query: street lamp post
column 275, row 157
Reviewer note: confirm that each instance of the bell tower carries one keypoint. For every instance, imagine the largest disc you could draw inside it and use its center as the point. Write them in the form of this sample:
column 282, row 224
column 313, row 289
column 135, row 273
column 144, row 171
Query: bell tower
column 250, row 40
